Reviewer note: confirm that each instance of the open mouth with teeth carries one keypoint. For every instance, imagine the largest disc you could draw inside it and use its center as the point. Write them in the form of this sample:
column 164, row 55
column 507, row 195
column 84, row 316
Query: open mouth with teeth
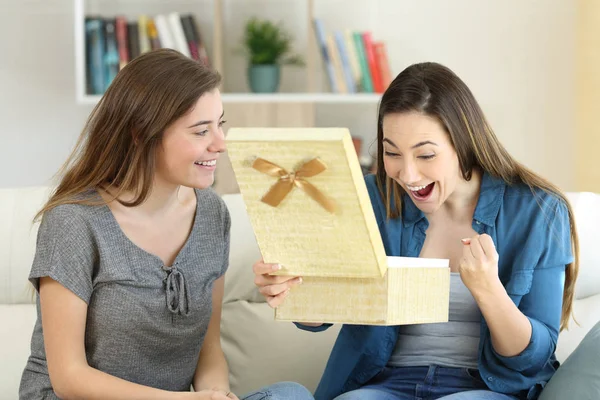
column 421, row 193
column 206, row 164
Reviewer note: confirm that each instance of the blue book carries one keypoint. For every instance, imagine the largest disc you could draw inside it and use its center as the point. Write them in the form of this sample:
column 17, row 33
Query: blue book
column 346, row 67
column 320, row 34
column 111, row 55
column 94, row 39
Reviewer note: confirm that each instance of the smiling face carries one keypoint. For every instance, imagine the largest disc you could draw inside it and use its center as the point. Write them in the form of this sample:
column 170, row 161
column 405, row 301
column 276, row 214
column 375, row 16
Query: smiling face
column 190, row 146
column 419, row 156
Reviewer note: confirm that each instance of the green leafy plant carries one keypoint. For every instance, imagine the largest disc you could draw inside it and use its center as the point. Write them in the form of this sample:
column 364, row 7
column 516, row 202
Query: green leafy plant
column 267, row 43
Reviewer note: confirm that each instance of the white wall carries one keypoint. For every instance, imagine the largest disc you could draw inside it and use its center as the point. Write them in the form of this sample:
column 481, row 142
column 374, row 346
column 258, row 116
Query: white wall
column 517, row 57
column 39, row 120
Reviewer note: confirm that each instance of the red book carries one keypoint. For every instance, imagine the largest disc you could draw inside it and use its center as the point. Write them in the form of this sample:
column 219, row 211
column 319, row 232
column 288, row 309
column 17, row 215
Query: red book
column 372, row 63
column 121, row 28
column 357, row 145
column 190, row 33
column 383, row 63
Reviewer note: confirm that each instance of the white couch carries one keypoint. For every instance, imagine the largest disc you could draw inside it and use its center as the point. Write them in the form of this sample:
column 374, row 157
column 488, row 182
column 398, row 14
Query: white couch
column 260, row 351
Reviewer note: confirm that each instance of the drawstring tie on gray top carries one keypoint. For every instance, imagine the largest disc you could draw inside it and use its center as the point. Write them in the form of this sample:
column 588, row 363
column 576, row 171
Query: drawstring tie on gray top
column 176, row 291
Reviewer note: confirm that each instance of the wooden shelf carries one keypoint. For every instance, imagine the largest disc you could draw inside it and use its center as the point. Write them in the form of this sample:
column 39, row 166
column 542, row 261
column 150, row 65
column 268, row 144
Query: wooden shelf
column 312, row 96
column 321, row 98
column 301, row 98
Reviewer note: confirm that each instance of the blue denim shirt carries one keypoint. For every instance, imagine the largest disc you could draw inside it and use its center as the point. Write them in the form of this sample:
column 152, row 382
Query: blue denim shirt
column 532, row 237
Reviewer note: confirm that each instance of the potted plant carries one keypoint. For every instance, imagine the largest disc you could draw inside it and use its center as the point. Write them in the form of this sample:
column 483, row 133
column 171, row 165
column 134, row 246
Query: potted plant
column 268, row 46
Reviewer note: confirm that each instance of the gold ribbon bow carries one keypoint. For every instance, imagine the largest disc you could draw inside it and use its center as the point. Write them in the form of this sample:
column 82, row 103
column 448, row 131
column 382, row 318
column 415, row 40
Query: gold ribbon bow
column 287, row 181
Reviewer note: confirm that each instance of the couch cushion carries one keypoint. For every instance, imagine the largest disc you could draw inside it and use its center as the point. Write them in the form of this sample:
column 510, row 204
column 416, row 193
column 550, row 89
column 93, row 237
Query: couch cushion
column 579, row 376
column 586, row 207
column 254, row 343
column 17, row 241
column 244, row 252
column 262, row 351
column 15, row 335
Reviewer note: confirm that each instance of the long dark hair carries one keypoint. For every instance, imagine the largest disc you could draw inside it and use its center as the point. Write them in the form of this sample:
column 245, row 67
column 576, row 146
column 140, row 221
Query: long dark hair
column 434, row 90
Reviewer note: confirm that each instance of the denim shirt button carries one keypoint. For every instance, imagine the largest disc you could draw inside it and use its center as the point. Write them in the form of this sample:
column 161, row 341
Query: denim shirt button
column 478, row 223
column 490, row 378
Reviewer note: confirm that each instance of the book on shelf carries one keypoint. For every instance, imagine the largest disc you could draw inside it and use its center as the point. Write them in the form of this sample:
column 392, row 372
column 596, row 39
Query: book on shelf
column 133, row 40
column 111, row 43
column 336, row 61
column 121, row 26
column 327, row 62
column 378, row 85
column 345, row 61
column 353, row 61
column 144, row 39
column 95, row 71
column 304, row 191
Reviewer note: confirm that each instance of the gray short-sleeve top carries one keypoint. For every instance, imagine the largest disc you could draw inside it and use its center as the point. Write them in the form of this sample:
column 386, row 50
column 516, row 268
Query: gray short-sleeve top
column 145, row 321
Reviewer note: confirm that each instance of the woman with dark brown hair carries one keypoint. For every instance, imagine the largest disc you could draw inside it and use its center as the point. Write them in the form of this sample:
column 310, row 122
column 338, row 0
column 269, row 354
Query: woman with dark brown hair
column 133, row 247
column 446, row 188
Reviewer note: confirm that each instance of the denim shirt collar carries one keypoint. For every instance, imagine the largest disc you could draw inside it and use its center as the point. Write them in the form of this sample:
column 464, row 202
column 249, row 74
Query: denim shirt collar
column 486, row 211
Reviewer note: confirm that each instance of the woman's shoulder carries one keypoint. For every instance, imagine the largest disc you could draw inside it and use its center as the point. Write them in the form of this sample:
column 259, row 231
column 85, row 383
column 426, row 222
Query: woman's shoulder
column 522, row 198
column 212, row 206
column 539, row 214
column 69, row 228
column 209, row 199
column 78, row 212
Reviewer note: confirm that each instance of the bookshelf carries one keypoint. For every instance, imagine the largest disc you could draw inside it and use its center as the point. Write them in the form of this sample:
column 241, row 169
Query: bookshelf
column 129, row 8
column 242, row 109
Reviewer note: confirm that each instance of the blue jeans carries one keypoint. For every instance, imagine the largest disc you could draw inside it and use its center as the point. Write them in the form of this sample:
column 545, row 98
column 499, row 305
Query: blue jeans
column 425, row 383
column 281, row 391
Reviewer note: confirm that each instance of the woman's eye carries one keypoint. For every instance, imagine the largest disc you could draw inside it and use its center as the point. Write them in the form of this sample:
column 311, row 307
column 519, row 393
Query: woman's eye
column 222, row 122
column 202, row 133
column 390, row 154
column 427, row 157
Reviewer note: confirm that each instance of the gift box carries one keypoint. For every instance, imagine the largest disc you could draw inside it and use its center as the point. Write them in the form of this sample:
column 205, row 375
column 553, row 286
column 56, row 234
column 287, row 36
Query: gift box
column 309, row 207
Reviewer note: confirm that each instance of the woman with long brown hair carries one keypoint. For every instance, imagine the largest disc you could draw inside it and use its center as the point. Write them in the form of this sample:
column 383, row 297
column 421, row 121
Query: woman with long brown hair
column 445, row 187
column 133, row 247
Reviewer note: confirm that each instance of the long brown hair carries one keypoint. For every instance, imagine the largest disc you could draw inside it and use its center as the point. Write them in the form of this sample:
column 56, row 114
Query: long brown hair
column 434, row 90
column 117, row 146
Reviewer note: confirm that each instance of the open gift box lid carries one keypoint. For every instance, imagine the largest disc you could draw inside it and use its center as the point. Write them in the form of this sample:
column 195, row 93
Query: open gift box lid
column 307, row 201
